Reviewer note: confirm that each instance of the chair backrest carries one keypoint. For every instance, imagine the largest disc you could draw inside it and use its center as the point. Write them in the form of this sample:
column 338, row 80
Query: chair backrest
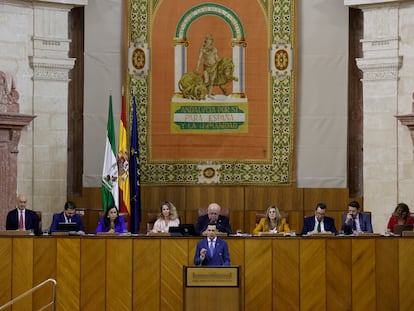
column 126, row 218
column 39, row 217
column 151, row 218
column 223, row 212
column 80, row 211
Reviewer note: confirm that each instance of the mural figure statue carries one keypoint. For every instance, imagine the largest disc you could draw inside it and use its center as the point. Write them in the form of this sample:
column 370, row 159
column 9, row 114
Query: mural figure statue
column 216, row 72
column 209, row 56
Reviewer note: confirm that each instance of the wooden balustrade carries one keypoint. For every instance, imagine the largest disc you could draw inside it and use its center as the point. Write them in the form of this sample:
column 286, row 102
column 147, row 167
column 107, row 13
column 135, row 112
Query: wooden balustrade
column 145, row 273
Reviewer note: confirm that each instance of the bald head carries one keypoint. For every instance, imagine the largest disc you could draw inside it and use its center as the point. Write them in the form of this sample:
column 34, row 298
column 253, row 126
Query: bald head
column 213, row 211
column 21, row 201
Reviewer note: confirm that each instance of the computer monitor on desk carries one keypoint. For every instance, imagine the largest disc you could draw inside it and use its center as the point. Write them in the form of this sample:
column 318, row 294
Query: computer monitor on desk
column 67, row 227
column 183, row 230
column 398, row 229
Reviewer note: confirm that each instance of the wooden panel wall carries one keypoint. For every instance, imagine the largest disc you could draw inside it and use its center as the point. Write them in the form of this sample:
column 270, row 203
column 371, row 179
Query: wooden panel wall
column 244, row 202
column 145, row 273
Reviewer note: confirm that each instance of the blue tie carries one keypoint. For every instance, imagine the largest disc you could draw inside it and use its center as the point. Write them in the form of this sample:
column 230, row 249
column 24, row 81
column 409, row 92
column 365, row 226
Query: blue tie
column 211, row 248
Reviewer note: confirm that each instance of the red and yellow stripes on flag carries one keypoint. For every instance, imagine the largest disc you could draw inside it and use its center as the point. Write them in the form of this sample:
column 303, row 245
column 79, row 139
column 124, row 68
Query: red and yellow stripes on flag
column 123, row 163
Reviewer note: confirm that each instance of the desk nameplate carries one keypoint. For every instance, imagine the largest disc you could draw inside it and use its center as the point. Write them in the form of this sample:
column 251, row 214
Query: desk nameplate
column 211, row 276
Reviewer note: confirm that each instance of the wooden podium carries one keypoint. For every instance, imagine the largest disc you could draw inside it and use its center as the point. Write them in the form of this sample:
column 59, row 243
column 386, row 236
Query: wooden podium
column 211, row 288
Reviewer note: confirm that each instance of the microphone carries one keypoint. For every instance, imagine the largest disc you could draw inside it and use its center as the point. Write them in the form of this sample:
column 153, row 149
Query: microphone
column 221, row 258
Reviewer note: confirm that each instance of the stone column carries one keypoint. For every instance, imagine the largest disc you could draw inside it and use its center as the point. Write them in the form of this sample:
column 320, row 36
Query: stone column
column 380, row 66
column 51, row 66
column 34, row 47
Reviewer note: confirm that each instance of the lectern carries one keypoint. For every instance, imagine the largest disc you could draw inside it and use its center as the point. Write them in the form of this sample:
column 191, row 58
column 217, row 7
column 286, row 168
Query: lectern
column 211, row 288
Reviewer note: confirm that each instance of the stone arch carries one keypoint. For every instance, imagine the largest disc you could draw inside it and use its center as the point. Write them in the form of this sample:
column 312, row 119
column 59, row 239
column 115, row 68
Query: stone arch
column 238, row 41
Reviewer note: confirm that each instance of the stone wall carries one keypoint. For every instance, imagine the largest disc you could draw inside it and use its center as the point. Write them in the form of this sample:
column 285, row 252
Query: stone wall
column 34, row 48
column 387, row 65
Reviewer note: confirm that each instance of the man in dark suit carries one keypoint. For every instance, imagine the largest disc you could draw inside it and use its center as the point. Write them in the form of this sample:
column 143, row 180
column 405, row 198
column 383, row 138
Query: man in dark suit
column 319, row 223
column 67, row 216
column 22, row 218
column 212, row 251
column 355, row 222
column 213, row 216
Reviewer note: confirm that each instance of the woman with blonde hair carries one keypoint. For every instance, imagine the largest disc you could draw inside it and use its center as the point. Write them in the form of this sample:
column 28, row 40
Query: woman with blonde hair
column 167, row 218
column 401, row 216
column 273, row 222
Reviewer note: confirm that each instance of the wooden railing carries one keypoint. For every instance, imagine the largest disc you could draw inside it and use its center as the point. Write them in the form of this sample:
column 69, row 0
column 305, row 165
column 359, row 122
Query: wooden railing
column 30, row 291
column 276, row 273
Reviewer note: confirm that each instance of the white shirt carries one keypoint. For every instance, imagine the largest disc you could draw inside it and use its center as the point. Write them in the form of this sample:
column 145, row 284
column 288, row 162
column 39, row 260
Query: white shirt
column 212, row 242
column 161, row 225
column 357, row 225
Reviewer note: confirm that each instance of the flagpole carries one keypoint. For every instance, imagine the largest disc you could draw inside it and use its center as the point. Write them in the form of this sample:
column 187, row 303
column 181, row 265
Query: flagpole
column 134, row 172
column 109, row 188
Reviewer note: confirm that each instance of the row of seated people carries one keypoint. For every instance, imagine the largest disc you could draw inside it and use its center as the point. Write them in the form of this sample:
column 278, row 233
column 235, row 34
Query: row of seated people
column 167, row 217
column 26, row 220
column 354, row 221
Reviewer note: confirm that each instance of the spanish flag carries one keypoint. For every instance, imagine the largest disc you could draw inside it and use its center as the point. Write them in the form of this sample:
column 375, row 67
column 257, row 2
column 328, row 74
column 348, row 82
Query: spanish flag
column 123, row 163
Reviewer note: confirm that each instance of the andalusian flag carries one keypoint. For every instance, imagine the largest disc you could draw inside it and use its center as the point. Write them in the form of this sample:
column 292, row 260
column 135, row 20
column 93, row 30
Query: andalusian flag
column 123, row 163
column 110, row 189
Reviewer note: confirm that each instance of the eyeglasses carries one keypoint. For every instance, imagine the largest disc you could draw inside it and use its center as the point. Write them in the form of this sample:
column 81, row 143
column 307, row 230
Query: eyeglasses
column 22, row 201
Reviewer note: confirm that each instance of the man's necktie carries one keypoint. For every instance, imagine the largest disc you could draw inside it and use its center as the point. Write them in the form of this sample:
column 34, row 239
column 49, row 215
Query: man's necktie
column 21, row 224
column 354, row 225
column 318, row 228
column 211, row 248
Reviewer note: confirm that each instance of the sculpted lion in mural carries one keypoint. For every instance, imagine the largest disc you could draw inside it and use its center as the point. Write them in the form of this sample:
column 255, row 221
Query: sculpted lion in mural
column 225, row 69
column 193, row 86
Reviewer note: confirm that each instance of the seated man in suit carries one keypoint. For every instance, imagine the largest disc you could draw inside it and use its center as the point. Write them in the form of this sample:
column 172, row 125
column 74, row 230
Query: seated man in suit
column 319, row 223
column 355, row 222
column 22, row 218
column 212, row 251
column 213, row 216
column 67, row 216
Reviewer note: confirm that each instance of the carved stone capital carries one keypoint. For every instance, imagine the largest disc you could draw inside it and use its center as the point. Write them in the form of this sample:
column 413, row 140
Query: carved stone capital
column 383, row 68
column 51, row 68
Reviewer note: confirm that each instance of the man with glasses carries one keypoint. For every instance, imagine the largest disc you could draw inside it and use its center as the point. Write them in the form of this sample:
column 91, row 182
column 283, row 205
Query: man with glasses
column 22, row 218
column 319, row 223
column 213, row 217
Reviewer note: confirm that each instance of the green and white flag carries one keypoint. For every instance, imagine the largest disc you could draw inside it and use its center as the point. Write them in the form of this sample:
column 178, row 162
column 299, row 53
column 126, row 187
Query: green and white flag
column 110, row 191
